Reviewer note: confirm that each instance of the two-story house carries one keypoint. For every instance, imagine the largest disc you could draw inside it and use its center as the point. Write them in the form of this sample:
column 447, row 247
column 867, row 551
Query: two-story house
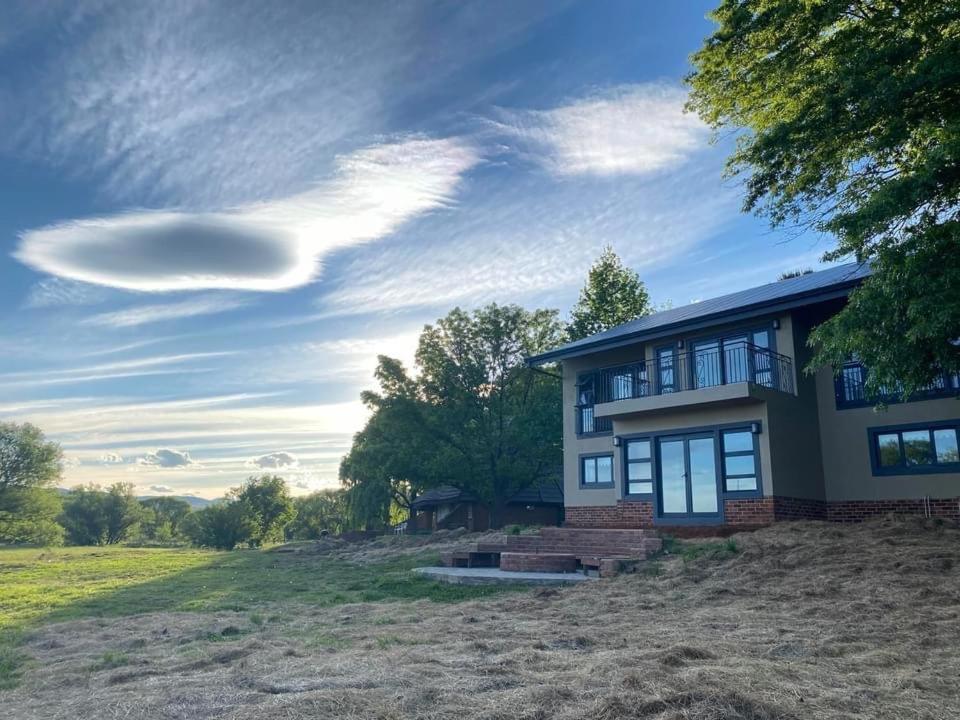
column 704, row 414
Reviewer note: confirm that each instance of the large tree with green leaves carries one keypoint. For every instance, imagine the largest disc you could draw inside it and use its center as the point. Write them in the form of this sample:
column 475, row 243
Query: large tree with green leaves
column 612, row 295
column 29, row 467
column 474, row 416
column 269, row 500
column 847, row 118
column 92, row 516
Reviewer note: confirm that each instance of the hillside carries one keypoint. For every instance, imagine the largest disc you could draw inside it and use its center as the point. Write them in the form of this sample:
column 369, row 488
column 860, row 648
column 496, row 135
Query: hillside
column 197, row 503
column 800, row 620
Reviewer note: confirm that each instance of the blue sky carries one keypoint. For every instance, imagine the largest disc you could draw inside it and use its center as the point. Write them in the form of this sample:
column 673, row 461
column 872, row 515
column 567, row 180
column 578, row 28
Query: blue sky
column 214, row 215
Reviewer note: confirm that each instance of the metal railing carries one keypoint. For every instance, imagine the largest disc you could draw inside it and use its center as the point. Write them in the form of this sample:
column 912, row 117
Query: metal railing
column 851, row 388
column 698, row 368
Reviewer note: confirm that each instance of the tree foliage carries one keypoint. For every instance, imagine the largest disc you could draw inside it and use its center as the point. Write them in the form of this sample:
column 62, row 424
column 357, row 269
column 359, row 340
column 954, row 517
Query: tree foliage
column 851, row 113
column 222, row 525
column 270, row 505
column 612, row 295
column 163, row 519
column 474, row 416
column 92, row 516
column 29, row 465
column 317, row 514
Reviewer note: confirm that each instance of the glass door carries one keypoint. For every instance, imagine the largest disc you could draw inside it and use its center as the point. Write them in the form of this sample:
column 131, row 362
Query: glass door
column 687, row 479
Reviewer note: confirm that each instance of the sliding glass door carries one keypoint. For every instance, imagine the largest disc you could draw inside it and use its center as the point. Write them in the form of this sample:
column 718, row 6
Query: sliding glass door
column 688, row 482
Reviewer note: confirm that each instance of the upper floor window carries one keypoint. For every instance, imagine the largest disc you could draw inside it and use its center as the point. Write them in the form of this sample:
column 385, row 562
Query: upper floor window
column 587, row 422
column 851, row 381
column 915, row 449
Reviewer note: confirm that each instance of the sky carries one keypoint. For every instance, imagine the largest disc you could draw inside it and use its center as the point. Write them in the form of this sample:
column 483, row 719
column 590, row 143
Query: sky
column 215, row 215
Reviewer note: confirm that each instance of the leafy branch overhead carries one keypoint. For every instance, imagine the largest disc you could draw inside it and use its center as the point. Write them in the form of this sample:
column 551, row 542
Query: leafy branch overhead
column 847, row 122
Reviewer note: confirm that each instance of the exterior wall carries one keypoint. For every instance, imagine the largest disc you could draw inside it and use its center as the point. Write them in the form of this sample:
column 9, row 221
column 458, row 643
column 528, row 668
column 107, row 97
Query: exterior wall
column 620, row 515
column 846, row 448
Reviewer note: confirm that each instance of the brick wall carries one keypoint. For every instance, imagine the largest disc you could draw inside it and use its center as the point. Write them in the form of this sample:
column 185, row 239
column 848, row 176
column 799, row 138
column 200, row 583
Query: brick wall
column 763, row 511
column 857, row 510
column 752, row 511
column 625, row 514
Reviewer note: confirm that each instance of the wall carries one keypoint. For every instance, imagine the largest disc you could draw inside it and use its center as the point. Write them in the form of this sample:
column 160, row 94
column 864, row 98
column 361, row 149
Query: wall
column 846, row 448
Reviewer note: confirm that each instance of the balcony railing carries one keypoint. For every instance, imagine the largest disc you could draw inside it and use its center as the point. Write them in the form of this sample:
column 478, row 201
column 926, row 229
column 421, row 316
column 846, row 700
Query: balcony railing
column 851, row 388
column 737, row 362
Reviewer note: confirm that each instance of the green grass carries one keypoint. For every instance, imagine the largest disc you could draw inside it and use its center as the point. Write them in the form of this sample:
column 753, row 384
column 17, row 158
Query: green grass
column 52, row 585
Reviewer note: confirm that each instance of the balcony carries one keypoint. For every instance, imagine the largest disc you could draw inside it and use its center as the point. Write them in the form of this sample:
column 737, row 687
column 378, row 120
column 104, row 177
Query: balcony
column 737, row 371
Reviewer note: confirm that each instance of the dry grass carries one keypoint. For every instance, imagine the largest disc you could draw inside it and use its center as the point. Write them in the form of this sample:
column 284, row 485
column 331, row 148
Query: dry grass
column 803, row 620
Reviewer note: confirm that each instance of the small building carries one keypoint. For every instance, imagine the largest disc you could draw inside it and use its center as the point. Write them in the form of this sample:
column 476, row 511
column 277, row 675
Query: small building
column 704, row 414
column 447, row 507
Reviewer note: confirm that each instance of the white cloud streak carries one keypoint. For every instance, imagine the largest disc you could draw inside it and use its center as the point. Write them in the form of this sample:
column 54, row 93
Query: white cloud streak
column 166, row 458
column 632, row 129
column 266, row 246
column 144, row 314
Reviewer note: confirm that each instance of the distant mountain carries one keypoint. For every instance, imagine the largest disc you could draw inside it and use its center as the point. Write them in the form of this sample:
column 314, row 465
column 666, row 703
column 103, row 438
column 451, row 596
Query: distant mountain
column 197, row 503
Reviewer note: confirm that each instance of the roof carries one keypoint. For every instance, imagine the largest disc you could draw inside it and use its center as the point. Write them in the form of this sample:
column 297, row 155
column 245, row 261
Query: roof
column 794, row 292
column 546, row 493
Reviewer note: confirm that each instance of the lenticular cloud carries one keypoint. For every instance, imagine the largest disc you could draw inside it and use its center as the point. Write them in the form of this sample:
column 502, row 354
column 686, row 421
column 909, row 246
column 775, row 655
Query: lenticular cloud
column 274, row 245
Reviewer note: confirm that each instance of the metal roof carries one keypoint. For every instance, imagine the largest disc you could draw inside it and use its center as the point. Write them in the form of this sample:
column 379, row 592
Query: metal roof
column 802, row 290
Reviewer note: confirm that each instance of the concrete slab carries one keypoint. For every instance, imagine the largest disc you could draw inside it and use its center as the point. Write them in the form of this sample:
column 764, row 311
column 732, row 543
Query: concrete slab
column 496, row 576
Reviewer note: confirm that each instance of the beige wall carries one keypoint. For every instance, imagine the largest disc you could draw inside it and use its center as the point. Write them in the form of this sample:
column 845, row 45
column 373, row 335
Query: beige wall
column 846, row 450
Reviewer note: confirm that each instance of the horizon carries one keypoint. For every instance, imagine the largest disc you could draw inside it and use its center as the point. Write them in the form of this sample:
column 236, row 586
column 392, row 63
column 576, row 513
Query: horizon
column 214, row 222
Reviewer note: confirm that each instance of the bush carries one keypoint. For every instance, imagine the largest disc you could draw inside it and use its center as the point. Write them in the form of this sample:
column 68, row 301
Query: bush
column 222, row 526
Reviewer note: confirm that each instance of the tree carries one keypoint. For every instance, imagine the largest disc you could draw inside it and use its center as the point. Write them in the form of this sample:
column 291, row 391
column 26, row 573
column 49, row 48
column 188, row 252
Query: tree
column 790, row 274
column 612, row 295
column 475, row 416
column 851, row 113
column 164, row 519
column 29, row 465
column 223, row 525
column 269, row 500
column 318, row 513
column 92, row 516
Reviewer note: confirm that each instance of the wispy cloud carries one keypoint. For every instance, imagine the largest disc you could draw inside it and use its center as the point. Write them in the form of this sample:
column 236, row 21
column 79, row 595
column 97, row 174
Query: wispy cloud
column 163, row 489
column 144, row 314
column 632, row 129
column 53, row 292
column 111, row 458
column 273, row 245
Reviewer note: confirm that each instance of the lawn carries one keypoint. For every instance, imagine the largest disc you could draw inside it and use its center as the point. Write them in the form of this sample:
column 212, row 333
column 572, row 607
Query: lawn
column 800, row 620
column 43, row 586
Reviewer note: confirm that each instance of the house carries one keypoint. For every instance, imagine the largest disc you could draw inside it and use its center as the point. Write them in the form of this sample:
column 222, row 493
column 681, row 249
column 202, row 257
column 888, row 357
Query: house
column 448, row 507
column 703, row 414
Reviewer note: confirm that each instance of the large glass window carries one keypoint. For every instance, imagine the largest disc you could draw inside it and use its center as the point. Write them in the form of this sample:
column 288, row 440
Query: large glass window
column 639, row 467
column 739, row 460
column 899, row 451
column 596, row 470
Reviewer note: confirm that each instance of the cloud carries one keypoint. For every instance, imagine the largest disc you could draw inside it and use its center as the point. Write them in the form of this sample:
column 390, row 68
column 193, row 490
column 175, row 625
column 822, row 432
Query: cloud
column 631, row 129
column 131, row 317
column 267, row 246
column 52, row 292
column 111, row 458
column 166, row 458
column 161, row 488
column 275, row 460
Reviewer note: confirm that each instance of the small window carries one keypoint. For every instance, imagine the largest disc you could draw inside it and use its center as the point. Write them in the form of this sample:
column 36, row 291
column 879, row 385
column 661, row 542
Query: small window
column 639, row 467
column 739, row 461
column 915, row 450
column 596, row 471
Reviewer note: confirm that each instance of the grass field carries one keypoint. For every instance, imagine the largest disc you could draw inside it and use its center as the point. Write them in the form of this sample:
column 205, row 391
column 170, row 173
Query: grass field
column 39, row 587
column 801, row 620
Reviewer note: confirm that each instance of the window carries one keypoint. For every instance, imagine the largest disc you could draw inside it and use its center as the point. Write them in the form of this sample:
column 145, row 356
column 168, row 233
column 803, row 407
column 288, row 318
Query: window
column 665, row 367
column 915, row 449
column 739, row 461
column 851, row 380
column 587, row 422
column 596, row 471
column 639, row 467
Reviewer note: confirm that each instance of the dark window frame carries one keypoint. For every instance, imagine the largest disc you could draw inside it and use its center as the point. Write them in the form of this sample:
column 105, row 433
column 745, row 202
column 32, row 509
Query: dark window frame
column 595, row 485
column 754, row 452
column 579, row 407
column 934, row 468
column 718, row 431
column 951, row 389
column 626, row 468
